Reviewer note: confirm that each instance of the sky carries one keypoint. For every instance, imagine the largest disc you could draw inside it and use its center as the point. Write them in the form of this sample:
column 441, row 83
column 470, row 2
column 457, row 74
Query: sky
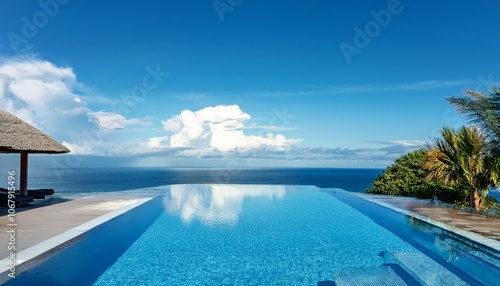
column 239, row 83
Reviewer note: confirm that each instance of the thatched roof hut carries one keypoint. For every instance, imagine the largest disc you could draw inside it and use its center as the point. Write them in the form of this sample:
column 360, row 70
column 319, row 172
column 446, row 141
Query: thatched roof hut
column 17, row 136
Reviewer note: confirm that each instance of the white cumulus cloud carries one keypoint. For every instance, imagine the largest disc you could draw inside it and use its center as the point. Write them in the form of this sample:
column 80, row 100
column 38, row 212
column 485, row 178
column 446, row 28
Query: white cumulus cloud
column 50, row 98
column 37, row 90
column 219, row 128
column 157, row 142
column 79, row 149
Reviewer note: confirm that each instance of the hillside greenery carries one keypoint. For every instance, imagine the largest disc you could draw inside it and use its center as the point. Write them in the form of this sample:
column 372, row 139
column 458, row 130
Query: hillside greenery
column 406, row 177
column 458, row 167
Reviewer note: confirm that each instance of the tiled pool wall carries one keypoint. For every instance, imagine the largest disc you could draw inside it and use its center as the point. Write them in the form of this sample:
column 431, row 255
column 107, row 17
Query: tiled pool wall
column 82, row 260
column 451, row 250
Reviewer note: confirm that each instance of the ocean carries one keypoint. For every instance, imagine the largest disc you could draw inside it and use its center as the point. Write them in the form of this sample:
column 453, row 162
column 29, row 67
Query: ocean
column 81, row 180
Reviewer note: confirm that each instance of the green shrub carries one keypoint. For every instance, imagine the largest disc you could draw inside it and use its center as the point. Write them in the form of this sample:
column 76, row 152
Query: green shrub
column 406, row 178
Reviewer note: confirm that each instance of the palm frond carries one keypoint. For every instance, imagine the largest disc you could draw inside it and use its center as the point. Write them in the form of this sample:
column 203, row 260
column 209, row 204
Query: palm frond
column 461, row 155
column 483, row 111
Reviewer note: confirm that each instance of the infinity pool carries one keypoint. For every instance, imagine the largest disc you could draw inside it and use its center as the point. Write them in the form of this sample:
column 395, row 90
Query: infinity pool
column 245, row 235
column 242, row 235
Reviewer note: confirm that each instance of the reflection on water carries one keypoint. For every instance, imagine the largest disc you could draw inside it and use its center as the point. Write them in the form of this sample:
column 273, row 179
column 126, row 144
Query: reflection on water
column 215, row 204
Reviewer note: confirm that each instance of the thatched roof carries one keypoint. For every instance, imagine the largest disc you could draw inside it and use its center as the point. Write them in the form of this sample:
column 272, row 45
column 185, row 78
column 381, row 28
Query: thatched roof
column 17, row 136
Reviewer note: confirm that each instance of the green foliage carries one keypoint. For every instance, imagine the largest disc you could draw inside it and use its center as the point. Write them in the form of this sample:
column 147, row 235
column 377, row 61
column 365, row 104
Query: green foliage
column 482, row 110
column 461, row 156
column 462, row 164
column 407, row 178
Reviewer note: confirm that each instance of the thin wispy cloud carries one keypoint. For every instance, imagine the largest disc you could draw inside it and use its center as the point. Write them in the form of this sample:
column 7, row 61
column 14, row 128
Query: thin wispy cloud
column 409, row 143
column 339, row 90
column 334, row 90
column 271, row 127
column 398, row 147
column 109, row 121
column 204, row 97
column 389, row 152
column 431, row 84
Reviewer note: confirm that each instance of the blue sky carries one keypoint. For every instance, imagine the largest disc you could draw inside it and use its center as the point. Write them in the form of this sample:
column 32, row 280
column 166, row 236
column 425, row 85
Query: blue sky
column 243, row 83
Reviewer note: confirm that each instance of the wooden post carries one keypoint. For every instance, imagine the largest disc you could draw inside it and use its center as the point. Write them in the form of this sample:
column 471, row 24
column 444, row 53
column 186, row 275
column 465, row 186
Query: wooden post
column 23, row 187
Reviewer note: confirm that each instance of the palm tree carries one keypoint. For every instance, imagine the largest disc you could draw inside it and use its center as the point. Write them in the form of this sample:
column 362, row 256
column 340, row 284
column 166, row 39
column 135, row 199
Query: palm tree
column 482, row 110
column 461, row 157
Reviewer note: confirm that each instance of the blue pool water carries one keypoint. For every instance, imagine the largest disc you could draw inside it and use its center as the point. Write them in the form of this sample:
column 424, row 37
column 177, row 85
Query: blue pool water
column 255, row 235
column 242, row 235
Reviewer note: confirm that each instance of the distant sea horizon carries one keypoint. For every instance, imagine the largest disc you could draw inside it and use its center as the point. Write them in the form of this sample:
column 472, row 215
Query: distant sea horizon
column 90, row 180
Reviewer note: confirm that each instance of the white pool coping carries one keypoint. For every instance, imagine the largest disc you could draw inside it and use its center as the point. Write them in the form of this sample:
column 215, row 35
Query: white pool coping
column 58, row 240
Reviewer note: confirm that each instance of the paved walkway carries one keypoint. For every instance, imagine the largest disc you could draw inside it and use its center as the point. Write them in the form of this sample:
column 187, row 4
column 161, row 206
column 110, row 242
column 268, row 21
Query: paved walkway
column 480, row 224
column 45, row 219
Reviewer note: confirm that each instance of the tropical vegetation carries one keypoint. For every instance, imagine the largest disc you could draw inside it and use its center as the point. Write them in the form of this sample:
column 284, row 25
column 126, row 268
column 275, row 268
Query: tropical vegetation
column 406, row 177
column 460, row 157
column 483, row 111
column 458, row 167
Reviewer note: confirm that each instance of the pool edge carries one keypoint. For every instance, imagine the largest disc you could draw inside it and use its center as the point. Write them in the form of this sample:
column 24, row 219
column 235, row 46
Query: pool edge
column 486, row 241
column 50, row 245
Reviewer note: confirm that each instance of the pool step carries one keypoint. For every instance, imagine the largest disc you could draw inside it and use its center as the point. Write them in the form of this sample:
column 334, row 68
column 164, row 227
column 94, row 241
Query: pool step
column 422, row 268
column 376, row 275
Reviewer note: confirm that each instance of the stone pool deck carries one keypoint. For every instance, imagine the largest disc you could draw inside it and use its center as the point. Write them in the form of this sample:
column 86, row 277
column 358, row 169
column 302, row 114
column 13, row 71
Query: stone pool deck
column 45, row 219
column 476, row 223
